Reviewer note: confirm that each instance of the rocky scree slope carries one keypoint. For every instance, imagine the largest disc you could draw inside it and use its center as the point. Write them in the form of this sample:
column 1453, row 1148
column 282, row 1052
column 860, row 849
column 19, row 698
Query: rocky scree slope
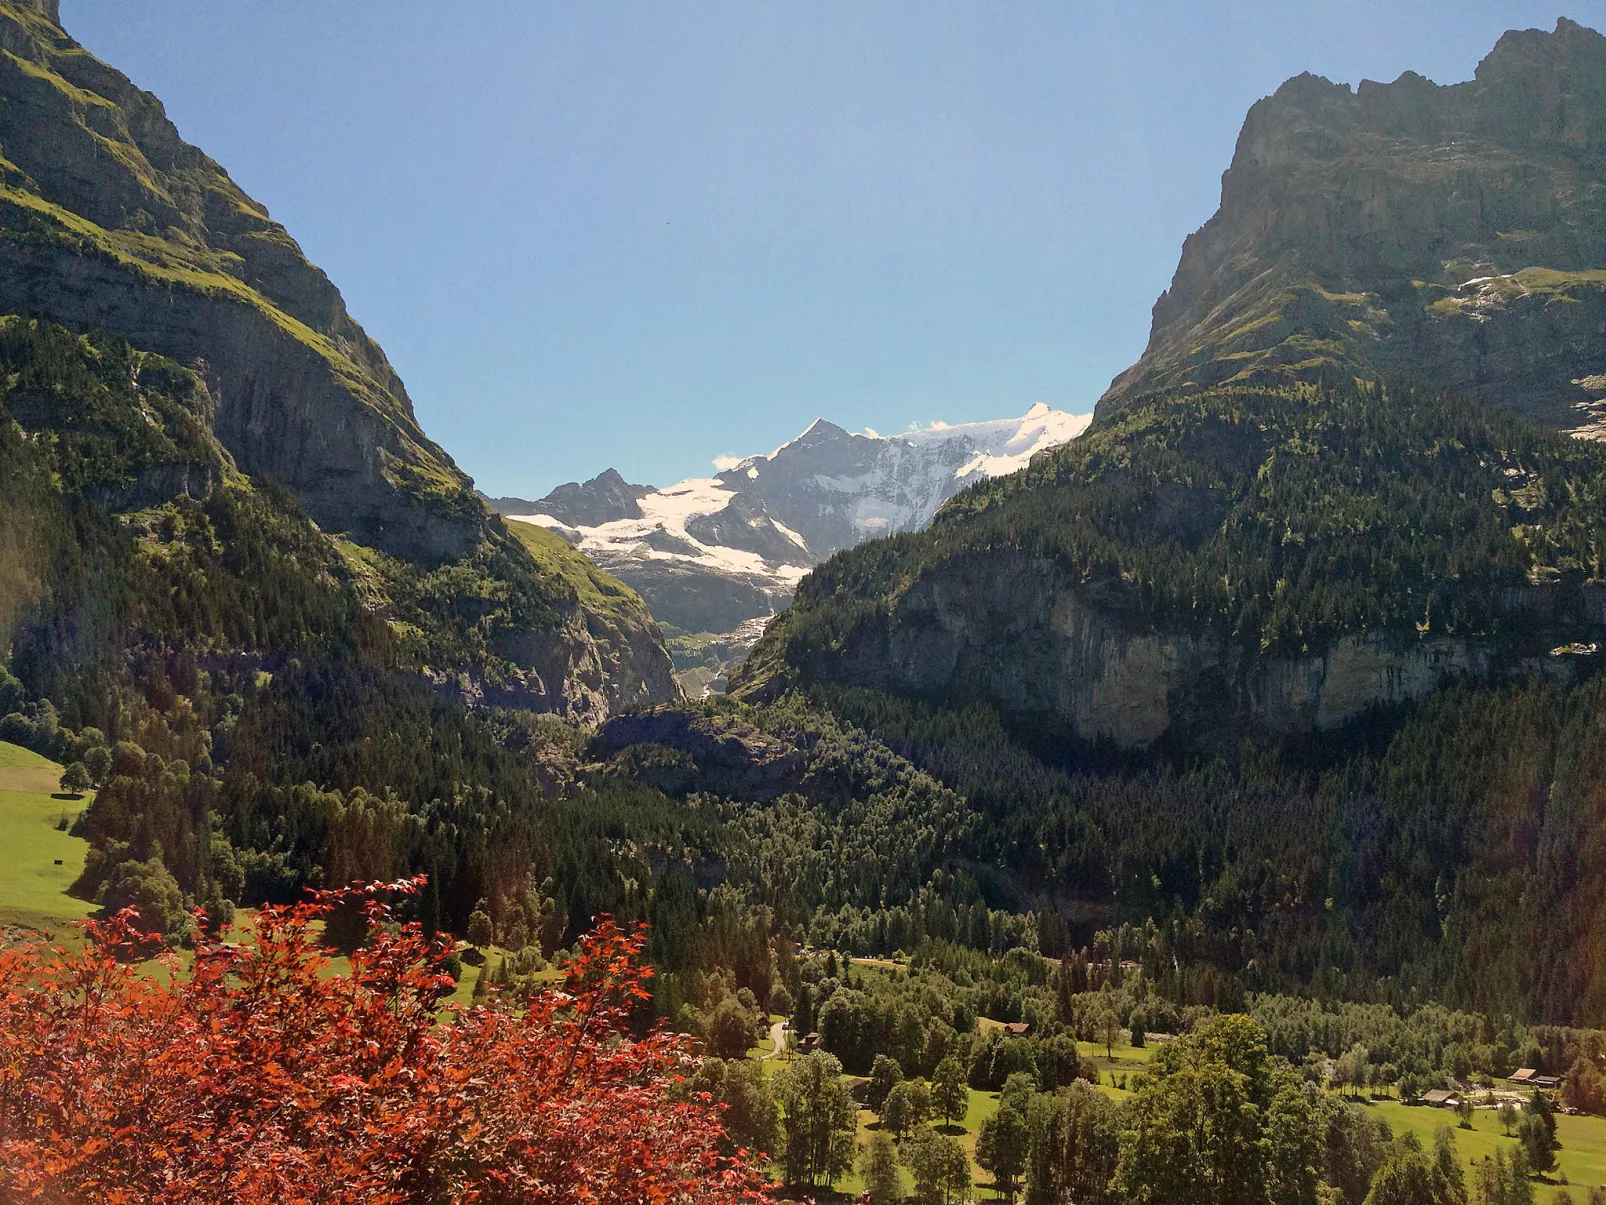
column 716, row 557
column 1455, row 235
column 1226, row 561
column 110, row 222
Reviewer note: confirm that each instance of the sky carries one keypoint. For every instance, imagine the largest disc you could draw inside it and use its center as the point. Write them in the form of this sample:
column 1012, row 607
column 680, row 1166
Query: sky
column 646, row 235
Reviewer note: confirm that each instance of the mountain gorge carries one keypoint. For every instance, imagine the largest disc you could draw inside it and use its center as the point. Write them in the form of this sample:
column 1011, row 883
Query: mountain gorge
column 716, row 558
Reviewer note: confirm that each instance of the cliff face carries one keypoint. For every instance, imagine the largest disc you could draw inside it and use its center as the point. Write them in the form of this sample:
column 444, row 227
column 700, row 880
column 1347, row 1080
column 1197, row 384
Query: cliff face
column 1019, row 631
column 110, row 222
column 1454, row 235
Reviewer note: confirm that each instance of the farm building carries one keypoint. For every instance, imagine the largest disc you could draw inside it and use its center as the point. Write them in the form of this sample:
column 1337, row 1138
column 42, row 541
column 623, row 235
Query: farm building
column 1527, row 1077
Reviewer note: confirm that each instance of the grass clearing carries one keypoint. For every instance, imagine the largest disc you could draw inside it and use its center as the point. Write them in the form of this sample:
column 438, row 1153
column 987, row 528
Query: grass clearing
column 38, row 859
column 1582, row 1158
column 596, row 590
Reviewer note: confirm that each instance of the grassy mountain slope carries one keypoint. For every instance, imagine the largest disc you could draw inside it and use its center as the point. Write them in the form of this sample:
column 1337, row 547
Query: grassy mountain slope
column 110, row 222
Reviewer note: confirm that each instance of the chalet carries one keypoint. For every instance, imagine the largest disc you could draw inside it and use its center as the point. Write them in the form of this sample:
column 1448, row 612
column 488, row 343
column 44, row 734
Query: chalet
column 810, row 1041
column 1018, row 1029
column 1528, row 1077
column 1440, row 1098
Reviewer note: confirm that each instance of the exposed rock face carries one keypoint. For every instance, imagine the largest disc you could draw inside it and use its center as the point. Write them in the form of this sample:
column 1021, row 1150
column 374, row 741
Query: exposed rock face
column 1452, row 234
column 588, row 668
column 109, row 221
column 1014, row 629
column 717, row 754
column 604, row 498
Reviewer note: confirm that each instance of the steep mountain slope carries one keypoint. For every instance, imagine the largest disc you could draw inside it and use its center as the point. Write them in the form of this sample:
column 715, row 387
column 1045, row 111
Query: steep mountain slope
column 1455, row 235
column 1231, row 550
column 1278, row 559
column 716, row 557
column 1295, row 673
column 110, row 222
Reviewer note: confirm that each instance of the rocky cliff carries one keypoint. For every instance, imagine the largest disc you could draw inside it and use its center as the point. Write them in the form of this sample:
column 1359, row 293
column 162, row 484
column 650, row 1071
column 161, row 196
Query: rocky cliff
column 1018, row 630
column 110, row 222
column 1451, row 234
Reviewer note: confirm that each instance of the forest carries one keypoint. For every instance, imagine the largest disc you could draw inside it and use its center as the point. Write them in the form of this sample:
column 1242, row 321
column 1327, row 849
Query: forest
column 1276, row 518
column 1404, row 904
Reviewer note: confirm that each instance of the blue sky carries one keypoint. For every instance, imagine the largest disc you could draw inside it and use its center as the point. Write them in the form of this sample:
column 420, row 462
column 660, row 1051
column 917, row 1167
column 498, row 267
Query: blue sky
column 645, row 235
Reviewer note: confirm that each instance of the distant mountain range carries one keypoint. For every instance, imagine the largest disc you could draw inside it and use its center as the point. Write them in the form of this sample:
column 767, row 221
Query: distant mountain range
column 715, row 557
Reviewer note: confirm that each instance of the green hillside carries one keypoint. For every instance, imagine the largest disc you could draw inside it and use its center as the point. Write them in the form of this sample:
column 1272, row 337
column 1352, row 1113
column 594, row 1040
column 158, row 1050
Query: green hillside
column 1275, row 519
column 39, row 859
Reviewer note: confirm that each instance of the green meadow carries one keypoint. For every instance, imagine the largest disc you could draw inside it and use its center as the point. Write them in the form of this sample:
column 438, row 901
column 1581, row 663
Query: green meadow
column 39, row 860
column 1581, row 1160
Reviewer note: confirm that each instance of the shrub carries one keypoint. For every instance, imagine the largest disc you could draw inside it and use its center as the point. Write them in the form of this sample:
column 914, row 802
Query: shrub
column 340, row 1089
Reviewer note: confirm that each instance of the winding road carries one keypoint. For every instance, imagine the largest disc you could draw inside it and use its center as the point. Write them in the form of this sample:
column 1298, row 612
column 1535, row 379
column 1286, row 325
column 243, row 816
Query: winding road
column 778, row 1036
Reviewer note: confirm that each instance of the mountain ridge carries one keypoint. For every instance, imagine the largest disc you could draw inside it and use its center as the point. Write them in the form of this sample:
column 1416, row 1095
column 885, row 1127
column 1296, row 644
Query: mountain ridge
column 1450, row 234
column 110, row 222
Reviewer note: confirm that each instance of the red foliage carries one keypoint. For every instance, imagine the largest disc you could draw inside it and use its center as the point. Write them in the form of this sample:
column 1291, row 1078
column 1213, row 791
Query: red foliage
column 261, row 1077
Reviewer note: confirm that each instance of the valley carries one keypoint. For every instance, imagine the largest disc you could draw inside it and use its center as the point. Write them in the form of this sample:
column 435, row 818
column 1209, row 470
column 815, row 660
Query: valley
column 1194, row 801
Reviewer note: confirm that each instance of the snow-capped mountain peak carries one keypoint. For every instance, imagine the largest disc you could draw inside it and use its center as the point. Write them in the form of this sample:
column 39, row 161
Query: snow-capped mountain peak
column 711, row 553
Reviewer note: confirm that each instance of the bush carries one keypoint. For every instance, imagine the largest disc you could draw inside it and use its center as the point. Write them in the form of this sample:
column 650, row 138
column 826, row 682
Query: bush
column 558, row 1110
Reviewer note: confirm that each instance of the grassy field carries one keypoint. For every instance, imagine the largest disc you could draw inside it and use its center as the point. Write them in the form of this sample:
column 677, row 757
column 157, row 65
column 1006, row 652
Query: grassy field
column 1582, row 1158
column 38, row 860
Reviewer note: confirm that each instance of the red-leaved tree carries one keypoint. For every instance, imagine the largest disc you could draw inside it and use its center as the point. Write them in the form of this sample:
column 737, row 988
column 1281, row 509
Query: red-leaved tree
column 260, row 1076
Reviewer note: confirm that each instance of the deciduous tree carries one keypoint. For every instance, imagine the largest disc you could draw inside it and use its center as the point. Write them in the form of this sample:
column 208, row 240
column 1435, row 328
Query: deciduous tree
column 818, row 1119
column 949, row 1093
column 259, row 1077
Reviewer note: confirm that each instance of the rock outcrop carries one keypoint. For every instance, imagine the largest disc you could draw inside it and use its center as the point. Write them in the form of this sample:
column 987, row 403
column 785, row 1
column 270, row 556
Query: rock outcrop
column 680, row 751
column 1454, row 235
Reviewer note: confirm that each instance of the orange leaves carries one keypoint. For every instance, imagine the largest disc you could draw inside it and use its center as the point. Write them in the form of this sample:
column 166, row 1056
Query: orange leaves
column 260, row 1078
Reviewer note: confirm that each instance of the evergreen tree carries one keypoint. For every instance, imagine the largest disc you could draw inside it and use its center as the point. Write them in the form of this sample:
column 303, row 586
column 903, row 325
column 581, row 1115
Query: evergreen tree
column 878, row 1168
